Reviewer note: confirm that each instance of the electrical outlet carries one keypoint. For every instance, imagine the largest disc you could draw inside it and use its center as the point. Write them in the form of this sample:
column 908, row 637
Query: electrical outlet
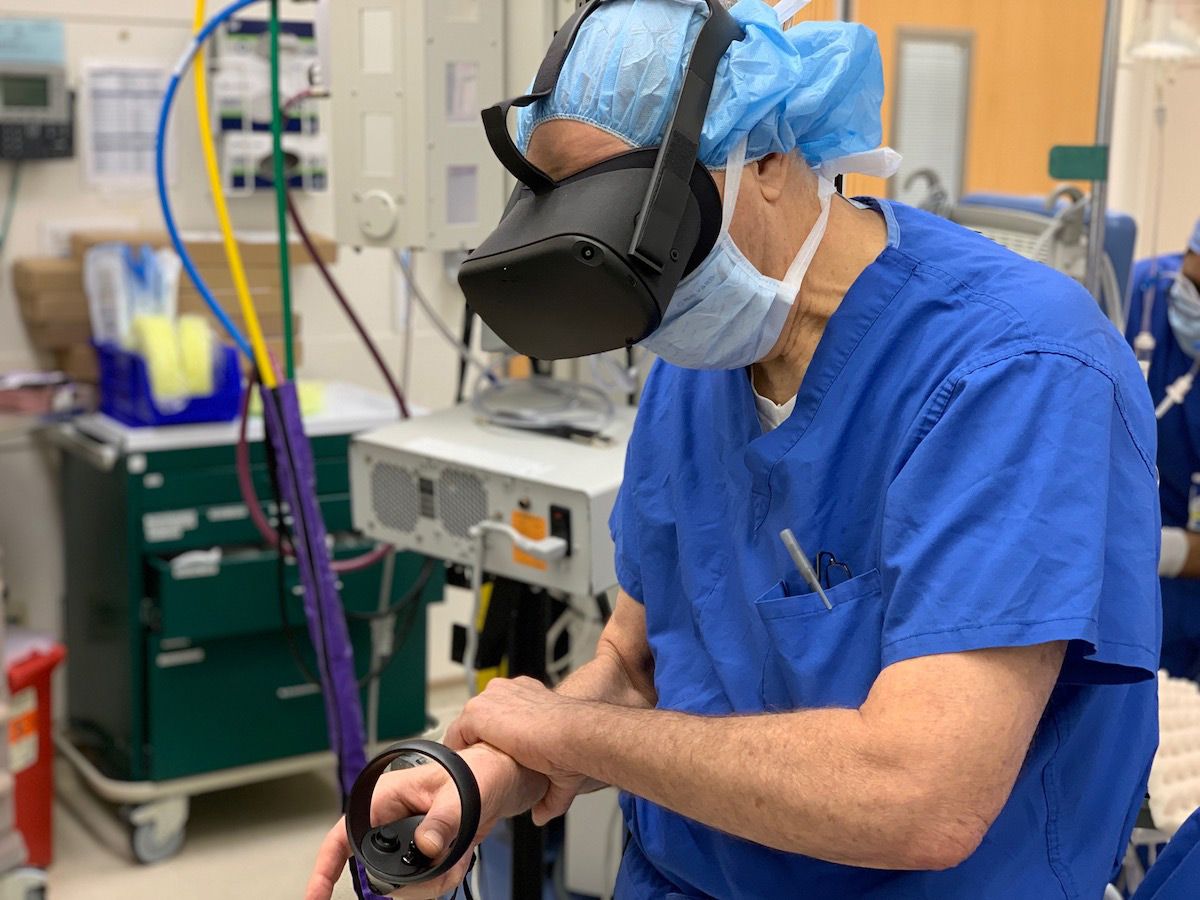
column 54, row 237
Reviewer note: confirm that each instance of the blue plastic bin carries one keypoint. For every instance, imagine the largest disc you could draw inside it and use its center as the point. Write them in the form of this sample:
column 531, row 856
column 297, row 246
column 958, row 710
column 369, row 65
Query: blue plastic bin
column 125, row 391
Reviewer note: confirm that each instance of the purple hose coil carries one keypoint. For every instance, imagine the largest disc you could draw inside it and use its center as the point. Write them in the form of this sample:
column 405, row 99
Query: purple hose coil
column 323, row 609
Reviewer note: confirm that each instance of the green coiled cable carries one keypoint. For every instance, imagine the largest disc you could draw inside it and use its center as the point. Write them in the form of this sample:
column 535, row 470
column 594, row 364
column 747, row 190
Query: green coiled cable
column 280, row 167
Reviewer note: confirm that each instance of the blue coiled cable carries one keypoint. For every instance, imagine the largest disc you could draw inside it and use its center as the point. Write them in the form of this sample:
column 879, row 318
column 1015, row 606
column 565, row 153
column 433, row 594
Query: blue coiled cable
column 160, row 170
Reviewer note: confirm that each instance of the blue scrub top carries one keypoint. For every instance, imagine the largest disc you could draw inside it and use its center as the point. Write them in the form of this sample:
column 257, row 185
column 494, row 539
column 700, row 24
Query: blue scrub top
column 1176, row 874
column 1178, row 457
column 975, row 440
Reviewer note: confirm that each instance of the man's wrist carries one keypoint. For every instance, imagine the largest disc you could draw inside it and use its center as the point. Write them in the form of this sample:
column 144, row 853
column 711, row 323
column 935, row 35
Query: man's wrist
column 504, row 783
column 570, row 736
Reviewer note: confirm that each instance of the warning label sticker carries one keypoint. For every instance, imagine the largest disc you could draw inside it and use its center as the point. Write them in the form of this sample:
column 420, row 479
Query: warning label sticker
column 23, row 731
column 534, row 527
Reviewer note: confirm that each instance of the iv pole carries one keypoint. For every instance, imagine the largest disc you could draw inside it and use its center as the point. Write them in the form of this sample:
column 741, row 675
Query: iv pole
column 1104, row 130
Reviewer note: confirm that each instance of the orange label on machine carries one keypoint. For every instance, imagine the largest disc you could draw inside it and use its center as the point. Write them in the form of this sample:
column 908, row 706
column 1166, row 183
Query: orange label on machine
column 535, row 528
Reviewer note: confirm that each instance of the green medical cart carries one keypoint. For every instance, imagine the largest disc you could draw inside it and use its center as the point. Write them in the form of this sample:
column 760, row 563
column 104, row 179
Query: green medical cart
column 184, row 675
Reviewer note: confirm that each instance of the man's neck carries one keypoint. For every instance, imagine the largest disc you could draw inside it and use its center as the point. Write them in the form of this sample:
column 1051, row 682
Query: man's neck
column 854, row 239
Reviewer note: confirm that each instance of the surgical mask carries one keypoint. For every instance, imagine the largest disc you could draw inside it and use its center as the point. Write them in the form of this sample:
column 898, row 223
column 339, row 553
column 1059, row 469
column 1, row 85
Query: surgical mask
column 1183, row 312
column 728, row 315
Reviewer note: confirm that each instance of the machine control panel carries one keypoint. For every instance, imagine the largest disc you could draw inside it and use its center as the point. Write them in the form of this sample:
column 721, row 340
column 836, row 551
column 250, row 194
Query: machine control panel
column 37, row 115
column 36, row 139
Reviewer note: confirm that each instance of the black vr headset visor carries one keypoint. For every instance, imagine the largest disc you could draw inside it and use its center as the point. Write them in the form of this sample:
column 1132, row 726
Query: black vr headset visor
column 590, row 263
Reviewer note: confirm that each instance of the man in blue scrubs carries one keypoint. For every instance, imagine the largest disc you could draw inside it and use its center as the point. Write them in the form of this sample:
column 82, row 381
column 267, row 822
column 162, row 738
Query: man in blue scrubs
column 1164, row 323
column 962, row 444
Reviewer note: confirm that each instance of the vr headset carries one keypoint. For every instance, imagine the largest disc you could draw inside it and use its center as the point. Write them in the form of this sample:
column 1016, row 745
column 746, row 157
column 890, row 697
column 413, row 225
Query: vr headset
column 590, row 263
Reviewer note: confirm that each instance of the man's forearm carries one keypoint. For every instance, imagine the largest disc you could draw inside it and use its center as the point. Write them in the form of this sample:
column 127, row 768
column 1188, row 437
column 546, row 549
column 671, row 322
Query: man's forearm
column 606, row 679
column 815, row 782
column 622, row 671
column 1191, row 566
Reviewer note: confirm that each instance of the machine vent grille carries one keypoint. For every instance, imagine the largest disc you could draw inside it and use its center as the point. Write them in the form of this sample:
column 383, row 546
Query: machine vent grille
column 462, row 501
column 395, row 498
column 1019, row 242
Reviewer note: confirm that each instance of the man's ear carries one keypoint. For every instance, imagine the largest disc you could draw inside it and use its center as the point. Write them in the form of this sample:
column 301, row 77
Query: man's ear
column 1191, row 266
column 772, row 175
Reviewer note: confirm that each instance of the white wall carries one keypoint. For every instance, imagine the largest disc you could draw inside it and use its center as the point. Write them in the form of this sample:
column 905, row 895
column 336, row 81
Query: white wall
column 55, row 193
column 1135, row 156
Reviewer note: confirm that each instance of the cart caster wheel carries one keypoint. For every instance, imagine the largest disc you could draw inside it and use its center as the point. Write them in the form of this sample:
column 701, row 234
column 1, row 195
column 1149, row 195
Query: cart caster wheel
column 23, row 884
column 149, row 846
column 156, row 829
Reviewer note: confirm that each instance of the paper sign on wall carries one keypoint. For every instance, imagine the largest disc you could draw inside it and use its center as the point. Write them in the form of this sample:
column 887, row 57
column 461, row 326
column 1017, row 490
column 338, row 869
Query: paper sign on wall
column 121, row 109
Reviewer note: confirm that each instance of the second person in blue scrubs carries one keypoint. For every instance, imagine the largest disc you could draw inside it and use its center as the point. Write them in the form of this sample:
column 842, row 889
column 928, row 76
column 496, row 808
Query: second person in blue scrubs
column 958, row 438
column 1166, row 307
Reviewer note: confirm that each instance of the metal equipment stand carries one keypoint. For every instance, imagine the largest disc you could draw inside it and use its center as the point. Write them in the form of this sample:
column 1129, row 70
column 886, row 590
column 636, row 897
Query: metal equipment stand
column 1110, row 61
column 527, row 656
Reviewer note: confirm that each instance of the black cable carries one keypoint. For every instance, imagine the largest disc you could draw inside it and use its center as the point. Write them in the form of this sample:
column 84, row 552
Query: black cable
column 399, row 638
column 10, row 204
column 306, row 537
column 289, row 633
column 466, row 882
column 283, row 533
column 605, row 607
column 412, row 599
column 629, row 365
column 413, row 593
column 468, row 334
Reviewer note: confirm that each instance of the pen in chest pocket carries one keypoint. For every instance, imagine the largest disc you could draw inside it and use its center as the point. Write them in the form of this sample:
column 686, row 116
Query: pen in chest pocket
column 806, row 570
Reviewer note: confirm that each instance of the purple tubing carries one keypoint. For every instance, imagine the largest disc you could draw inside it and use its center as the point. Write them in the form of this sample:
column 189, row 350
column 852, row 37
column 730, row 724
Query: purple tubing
column 322, row 604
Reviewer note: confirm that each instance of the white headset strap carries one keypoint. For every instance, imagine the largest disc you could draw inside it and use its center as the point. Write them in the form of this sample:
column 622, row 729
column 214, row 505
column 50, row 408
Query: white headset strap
column 799, row 267
column 882, row 162
column 733, row 182
column 787, row 9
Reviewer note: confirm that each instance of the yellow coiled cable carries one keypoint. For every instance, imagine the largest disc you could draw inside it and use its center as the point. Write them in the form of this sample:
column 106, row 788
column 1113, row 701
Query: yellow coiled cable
column 233, row 254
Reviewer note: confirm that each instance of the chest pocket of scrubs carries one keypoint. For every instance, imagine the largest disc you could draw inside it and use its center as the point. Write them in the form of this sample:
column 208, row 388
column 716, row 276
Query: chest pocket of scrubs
column 818, row 657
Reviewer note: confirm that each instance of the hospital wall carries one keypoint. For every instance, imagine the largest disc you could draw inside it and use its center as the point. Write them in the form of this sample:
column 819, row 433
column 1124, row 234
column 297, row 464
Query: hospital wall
column 55, row 198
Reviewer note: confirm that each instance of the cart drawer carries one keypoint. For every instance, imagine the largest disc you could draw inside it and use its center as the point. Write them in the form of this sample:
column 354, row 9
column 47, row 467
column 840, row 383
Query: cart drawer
column 238, row 592
column 237, row 701
column 222, row 524
column 174, row 489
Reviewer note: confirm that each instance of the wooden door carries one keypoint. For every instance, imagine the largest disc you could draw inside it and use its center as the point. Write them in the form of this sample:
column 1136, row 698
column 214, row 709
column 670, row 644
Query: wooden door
column 1035, row 73
column 1035, row 81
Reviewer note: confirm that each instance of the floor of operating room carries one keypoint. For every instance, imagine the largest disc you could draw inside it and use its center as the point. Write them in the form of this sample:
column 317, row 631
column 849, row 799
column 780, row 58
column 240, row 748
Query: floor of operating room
column 255, row 841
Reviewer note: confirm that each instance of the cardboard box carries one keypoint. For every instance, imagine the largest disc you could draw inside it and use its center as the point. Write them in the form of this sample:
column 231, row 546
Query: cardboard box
column 71, row 307
column 268, row 303
column 35, row 275
column 44, row 308
column 56, row 321
column 47, row 273
column 78, row 362
column 259, row 249
column 58, row 335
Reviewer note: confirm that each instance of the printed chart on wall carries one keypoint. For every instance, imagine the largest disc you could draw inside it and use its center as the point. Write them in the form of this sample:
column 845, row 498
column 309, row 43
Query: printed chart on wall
column 121, row 106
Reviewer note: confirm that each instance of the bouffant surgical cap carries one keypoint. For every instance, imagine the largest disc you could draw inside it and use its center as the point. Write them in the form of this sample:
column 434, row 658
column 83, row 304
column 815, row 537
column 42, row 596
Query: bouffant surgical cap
column 815, row 88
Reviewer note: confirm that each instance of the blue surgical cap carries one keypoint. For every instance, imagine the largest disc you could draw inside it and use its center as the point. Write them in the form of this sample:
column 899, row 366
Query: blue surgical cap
column 815, row 88
column 1194, row 243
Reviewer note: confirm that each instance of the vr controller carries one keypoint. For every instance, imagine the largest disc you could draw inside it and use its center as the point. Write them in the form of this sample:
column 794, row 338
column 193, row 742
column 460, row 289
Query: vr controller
column 389, row 853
